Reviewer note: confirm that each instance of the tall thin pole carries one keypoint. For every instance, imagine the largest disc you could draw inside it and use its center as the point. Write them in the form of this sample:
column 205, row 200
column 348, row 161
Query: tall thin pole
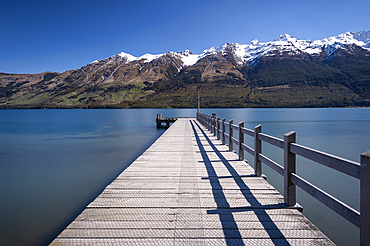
column 198, row 102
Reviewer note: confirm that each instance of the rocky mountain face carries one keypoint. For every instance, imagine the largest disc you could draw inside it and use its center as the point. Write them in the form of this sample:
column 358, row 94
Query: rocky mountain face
column 286, row 72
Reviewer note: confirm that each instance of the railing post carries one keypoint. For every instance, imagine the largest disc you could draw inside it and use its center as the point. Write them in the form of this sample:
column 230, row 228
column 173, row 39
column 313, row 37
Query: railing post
column 365, row 199
column 257, row 151
column 241, row 141
column 215, row 132
column 210, row 123
column 223, row 131
column 231, row 135
column 218, row 128
column 289, row 168
column 214, row 125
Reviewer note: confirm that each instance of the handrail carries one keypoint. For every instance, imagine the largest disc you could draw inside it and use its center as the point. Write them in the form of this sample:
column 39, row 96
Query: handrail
column 291, row 179
column 235, row 127
column 248, row 131
column 340, row 164
column 346, row 211
column 248, row 149
column 275, row 166
column 234, row 140
column 271, row 140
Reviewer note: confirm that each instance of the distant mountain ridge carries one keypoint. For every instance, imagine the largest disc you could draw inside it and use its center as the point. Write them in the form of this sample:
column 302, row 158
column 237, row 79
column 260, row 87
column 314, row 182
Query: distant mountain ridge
column 285, row 72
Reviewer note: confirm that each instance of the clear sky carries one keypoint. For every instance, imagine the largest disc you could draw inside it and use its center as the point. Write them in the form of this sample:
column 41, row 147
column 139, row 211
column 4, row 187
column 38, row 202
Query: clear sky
column 59, row 35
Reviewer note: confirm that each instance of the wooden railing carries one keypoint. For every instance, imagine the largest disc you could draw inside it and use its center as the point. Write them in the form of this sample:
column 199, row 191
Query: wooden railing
column 291, row 179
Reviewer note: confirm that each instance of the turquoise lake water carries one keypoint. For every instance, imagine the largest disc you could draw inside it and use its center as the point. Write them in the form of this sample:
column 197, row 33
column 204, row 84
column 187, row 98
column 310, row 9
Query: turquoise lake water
column 54, row 162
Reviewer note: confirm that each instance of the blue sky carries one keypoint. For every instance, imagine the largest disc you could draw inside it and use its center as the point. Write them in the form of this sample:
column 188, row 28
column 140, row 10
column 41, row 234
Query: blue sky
column 38, row 35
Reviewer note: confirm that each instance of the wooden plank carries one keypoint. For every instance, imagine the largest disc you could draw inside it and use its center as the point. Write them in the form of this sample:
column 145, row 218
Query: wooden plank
column 188, row 188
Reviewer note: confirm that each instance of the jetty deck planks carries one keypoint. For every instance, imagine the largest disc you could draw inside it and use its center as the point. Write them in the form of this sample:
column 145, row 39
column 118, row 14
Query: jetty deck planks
column 188, row 189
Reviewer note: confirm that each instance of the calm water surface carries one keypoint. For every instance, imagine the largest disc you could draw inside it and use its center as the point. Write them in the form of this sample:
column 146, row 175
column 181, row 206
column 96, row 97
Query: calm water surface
column 54, row 162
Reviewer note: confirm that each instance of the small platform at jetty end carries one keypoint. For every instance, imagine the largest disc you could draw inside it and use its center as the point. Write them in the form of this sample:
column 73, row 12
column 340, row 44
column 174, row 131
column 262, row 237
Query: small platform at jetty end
column 167, row 120
column 189, row 189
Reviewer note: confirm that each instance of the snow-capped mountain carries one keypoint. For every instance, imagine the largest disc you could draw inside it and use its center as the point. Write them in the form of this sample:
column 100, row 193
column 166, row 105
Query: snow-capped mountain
column 234, row 54
column 284, row 45
column 290, row 46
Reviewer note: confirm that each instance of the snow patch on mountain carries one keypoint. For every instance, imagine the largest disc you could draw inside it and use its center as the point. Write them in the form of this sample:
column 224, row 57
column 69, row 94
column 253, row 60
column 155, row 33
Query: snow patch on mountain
column 147, row 57
column 215, row 50
column 363, row 36
column 128, row 57
column 188, row 58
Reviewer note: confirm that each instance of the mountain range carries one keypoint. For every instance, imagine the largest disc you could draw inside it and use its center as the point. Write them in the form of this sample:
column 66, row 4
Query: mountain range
column 285, row 72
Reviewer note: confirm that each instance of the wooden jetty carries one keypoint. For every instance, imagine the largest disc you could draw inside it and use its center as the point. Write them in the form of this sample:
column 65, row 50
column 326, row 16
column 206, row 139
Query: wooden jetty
column 190, row 189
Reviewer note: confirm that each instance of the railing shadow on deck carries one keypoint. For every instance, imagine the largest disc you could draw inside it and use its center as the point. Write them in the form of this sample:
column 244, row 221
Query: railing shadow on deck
column 225, row 212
